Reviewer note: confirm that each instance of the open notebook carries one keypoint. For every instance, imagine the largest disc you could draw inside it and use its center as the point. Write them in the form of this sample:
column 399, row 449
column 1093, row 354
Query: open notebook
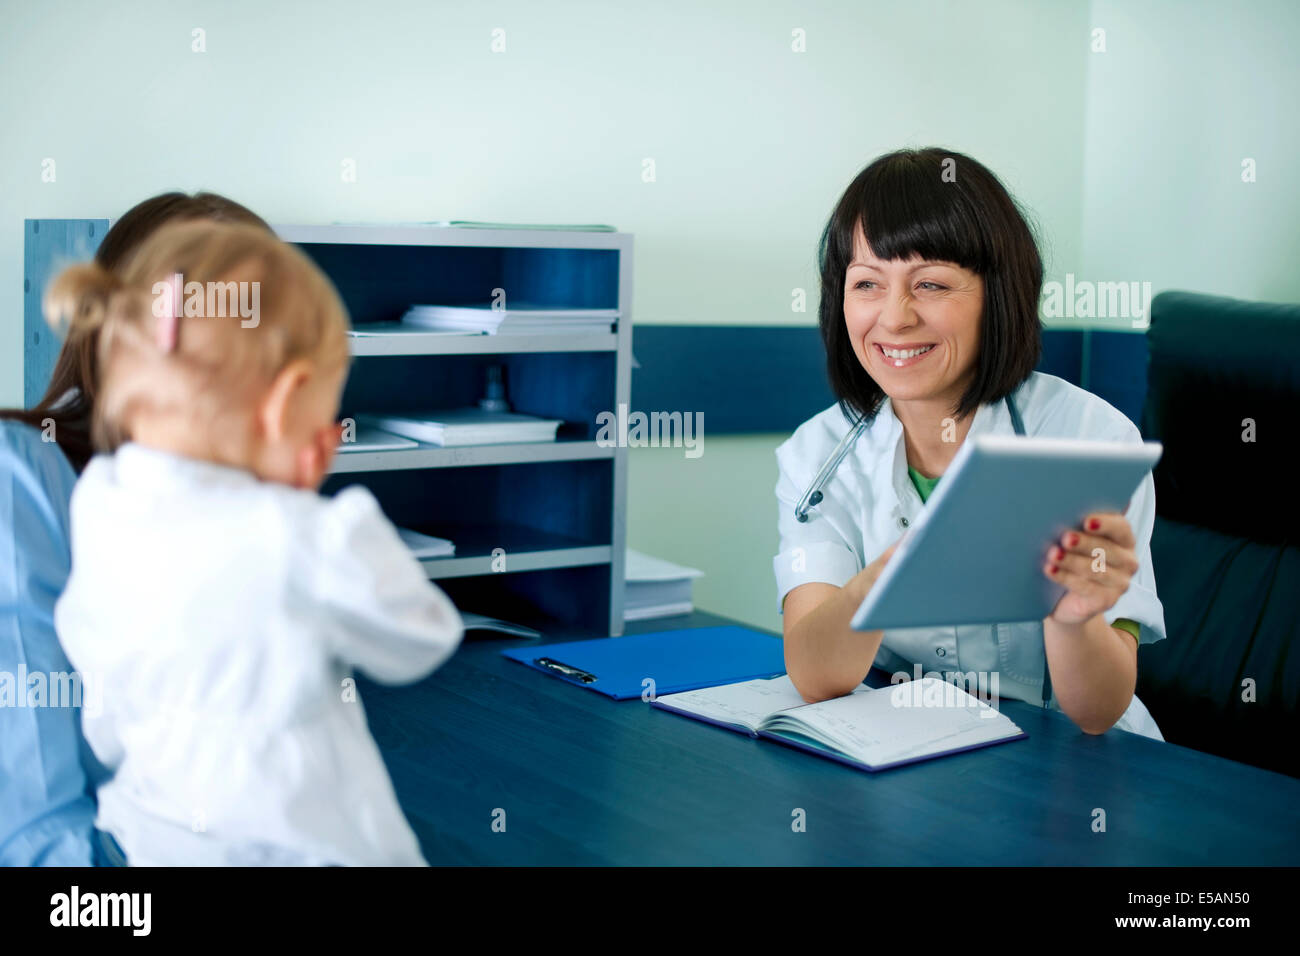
column 868, row 729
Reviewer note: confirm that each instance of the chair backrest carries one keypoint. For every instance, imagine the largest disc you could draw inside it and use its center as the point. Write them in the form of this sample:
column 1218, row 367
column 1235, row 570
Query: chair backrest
column 1223, row 395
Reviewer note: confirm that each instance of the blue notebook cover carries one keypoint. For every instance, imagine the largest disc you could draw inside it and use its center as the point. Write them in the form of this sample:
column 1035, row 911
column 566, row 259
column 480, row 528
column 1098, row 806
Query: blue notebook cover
column 676, row 661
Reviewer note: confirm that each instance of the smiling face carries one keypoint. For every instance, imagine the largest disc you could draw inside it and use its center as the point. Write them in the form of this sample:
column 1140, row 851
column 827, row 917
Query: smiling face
column 914, row 324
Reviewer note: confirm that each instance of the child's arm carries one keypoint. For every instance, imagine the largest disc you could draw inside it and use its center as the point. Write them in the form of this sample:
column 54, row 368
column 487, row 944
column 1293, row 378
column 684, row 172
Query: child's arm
column 384, row 616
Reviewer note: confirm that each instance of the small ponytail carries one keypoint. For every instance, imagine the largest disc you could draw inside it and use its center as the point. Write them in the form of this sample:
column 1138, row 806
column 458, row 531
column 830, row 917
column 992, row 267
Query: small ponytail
column 79, row 300
column 96, row 311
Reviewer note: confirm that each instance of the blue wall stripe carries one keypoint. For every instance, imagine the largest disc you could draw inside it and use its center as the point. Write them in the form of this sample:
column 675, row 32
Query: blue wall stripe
column 750, row 379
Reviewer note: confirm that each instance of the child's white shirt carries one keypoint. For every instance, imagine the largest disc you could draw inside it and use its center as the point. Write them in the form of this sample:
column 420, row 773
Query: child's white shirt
column 216, row 621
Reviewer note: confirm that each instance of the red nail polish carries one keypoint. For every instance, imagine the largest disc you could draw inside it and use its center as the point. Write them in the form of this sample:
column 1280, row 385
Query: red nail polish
column 1094, row 524
column 1071, row 540
column 1054, row 569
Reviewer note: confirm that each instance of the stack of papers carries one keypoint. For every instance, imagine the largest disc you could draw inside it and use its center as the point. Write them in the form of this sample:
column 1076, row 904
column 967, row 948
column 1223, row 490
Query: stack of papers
column 372, row 439
column 656, row 588
column 466, row 426
column 380, row 329
column 425, row 545
column 523, row 319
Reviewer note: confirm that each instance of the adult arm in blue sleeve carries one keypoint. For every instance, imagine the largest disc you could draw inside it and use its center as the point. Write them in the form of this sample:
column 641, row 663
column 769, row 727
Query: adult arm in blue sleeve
column 46, row 807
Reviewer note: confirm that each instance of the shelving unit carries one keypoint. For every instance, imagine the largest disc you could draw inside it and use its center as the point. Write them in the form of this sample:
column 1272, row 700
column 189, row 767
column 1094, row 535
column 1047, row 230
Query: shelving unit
column 540, row 529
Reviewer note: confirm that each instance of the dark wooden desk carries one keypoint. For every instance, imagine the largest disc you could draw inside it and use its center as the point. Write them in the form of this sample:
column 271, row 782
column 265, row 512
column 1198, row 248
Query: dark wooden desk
column 587, row 780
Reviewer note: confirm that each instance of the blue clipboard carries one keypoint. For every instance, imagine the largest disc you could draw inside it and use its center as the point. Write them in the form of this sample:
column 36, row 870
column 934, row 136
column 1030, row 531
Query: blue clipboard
column 675, row 661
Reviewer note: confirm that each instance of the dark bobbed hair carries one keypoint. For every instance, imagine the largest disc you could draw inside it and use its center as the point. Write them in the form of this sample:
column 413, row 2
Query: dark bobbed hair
column 906, row 207
column 69, row 400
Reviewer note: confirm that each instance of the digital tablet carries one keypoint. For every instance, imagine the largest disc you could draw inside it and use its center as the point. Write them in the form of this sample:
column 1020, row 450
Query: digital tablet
column 976, row 553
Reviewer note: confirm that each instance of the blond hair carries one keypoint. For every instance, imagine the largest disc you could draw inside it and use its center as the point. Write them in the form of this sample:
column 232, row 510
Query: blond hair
column 204, row 365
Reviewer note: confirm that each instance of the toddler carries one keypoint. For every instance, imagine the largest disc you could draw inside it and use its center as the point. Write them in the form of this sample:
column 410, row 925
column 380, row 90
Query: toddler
column 220, row 602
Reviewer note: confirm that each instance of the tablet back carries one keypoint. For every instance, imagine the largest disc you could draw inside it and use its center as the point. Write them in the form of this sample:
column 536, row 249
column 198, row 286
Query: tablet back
column 976, row 553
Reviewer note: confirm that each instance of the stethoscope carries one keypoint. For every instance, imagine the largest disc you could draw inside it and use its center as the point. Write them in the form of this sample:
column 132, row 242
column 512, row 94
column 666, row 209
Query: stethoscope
column 814, row 496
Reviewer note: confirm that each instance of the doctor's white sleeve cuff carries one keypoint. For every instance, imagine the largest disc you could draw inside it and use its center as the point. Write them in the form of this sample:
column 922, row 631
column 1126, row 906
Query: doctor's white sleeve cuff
column 823, row 562
column 1140, row 604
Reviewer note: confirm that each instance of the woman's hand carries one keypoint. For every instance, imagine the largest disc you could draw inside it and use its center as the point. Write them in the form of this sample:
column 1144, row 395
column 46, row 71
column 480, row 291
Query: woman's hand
column 824, row 656
column 1095, row 564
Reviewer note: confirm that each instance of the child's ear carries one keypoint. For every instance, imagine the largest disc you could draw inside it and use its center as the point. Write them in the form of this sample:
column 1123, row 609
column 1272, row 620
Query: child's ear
column 314, row 458
column 273, row 413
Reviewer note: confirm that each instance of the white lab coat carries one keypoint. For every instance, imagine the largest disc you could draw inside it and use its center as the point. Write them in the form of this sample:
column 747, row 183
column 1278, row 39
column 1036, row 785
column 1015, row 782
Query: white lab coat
column 222, row 618
column 871, row 501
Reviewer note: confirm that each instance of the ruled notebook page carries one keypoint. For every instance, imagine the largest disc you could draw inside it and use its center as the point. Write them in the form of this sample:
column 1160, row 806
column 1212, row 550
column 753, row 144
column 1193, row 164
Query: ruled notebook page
column 748, row 703
column 890, row 724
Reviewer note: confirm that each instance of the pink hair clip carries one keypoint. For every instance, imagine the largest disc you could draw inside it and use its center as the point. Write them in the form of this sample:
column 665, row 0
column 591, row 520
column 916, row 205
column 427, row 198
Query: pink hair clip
column 165, row 332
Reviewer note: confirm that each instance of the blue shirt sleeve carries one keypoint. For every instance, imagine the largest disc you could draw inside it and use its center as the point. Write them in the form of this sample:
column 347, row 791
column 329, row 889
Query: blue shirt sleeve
column 46, row 808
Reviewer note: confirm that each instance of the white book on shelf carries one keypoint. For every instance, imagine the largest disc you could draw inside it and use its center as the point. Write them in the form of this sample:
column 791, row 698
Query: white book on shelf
column 366, row 438
column 377, row 329
column 466, row 426
column 656, row 611
column 481, row 622
column 426, row 545
column 524, row 318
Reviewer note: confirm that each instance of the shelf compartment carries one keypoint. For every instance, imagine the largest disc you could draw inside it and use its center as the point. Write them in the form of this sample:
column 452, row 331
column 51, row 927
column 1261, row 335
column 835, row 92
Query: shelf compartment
column 378, row 283
column 542, row 506
column 525, row 549
column 571, row 600
column 573, row 387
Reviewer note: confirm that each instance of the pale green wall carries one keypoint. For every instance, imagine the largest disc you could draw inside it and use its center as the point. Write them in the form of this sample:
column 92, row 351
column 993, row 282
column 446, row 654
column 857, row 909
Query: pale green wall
column 716, row 512
column 1186, row 90
column 752, row 143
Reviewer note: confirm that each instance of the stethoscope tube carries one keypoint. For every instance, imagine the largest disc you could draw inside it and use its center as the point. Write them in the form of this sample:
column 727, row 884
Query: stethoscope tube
column 812, row 497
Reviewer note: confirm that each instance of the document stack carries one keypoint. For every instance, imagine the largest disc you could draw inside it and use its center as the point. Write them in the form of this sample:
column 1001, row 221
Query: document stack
column 372, row 439
column 465, row 426
column 516, row 320
column 426, row 545
column 656, row 588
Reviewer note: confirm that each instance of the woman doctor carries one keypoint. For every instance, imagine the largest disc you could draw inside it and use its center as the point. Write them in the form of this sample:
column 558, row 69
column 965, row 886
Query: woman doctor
column 930, row 281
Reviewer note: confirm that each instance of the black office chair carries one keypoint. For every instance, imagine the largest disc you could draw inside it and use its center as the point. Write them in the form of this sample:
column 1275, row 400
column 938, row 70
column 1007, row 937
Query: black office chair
column 1226, row 544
